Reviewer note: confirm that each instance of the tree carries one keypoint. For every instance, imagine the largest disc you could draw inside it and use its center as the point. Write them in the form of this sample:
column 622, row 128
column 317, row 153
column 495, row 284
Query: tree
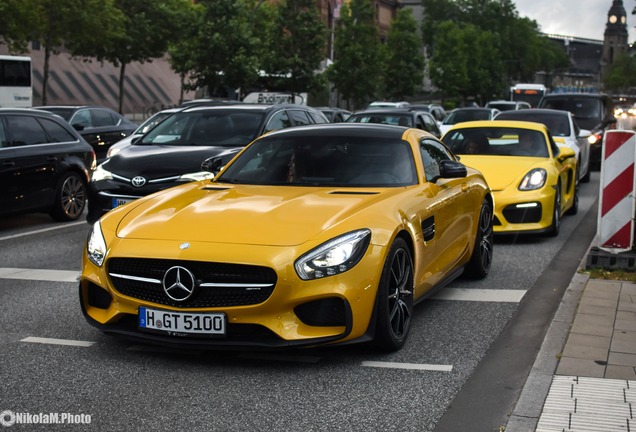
column 404, row 66
column 228, row 46
column 16, row 18
column 357, row 69
column 298, row 44
column 448, row 65
column 620, row 75
column 71, row 25
column 149, row 26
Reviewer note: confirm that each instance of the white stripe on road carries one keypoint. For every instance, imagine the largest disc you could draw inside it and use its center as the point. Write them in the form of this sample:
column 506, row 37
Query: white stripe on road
column 40, row 274
column 43, row 230
column 480, row 295
column 410, row 366
column 51, row 341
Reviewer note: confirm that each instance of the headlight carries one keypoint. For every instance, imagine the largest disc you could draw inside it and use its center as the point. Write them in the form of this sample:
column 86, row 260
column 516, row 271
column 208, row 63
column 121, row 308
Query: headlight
column 96, row 245
column 112, row 152
column 197, row 176
column 334, row 257
column 101, row 174
column 535, row 179
column 594, row 138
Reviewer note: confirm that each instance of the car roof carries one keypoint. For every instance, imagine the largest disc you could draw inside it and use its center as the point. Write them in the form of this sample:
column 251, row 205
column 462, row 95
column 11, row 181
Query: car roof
column 388, row 111
column 521, row 112
column 501, row 124
column 336, row 129
column 246, row 107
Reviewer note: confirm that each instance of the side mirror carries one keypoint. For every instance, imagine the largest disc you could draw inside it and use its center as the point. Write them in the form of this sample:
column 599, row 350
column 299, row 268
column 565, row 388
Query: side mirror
column 452, row 169
column 212, row 165
column 78, row 127
column 609, row 120
column 565, row 153
column 584, row 133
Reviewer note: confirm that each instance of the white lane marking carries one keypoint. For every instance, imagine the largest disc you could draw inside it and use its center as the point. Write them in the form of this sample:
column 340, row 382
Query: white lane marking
column 40, row 274
column 51, row 341
column 410, row 366
column 480, row 295
column 43, row 230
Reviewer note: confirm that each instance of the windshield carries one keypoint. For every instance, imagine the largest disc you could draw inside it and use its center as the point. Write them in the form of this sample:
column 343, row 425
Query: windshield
column 466, row 115
column 497, row 141
column 323, row 161
column 206, row 128
column 151, row 122
column 391, row 119
column 558, row 124
column 581, row 108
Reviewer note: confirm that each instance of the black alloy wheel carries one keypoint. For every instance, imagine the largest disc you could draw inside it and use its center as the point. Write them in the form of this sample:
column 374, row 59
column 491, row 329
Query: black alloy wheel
column 395, row 298
column 481, row 260
column 70, row 198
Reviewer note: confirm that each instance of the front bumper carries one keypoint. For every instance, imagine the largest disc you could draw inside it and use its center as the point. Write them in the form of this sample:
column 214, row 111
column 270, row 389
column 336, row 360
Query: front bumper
column 296, row 314
column 527, row 212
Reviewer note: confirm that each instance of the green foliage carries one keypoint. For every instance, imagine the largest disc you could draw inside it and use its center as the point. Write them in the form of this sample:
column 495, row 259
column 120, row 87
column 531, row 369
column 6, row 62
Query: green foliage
column 298, row 45
column 505, row 48
column 226, row 47
column 16, row 18
column 357, row 68
column 621, row 75
column 404, row 65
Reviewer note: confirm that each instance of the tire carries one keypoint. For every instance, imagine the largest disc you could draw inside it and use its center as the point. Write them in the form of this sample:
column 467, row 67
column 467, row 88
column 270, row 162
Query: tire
column 481, row 260
column 394, row 301
column 586, row 177
column 575, row 207
column 70, row 197
column 556, row 214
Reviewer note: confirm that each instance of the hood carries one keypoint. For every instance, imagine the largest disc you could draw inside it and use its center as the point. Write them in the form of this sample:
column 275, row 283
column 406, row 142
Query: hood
column 160, row 161
column 501, row 171
column 244, row 214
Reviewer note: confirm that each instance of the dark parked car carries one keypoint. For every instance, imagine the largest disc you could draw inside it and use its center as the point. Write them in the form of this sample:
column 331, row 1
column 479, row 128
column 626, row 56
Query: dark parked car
column 398, row 117
column 45, row 165
column 172, row 152
column 101, row 127
column 436, row 110
column 335, row 114
column 592, row 111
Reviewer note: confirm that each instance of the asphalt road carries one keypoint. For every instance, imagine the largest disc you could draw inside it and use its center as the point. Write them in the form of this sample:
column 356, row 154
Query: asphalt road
column 462, row 369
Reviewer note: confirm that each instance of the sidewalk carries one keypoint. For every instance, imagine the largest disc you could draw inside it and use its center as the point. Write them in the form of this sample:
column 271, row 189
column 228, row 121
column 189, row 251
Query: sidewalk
column 584, row 376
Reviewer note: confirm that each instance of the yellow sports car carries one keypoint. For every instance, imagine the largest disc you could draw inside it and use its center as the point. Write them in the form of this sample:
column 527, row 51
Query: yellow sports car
column 310, row 235
column 533, row 178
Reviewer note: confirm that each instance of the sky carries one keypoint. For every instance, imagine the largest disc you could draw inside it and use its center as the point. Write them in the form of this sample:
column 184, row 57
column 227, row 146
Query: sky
column 579, row 18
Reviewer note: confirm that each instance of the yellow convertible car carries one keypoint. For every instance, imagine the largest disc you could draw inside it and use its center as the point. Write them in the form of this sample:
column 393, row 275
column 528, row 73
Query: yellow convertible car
column 311, row 235
column 533, row 178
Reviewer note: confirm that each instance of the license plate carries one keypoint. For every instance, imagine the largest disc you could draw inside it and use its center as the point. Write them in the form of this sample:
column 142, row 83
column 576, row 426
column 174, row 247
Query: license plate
column 212, row 324
column 120, row 201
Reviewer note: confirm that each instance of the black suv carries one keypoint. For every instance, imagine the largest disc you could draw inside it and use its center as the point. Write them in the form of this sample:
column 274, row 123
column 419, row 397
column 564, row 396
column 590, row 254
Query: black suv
column 591, row 111
column 172, row 152
column 44, row 165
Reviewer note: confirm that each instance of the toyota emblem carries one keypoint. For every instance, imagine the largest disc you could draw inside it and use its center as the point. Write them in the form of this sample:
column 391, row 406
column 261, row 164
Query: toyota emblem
column 179, row 283
column 138, row 181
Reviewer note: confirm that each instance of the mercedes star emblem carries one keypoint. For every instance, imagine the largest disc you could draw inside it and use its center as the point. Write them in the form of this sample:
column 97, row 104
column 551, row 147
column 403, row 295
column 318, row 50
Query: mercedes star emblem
column 178, row 283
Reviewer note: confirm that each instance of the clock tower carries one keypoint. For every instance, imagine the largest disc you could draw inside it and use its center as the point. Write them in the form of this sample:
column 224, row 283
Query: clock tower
column 615, row 37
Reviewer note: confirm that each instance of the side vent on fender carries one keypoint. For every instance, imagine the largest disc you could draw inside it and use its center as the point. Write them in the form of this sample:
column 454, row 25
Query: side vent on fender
column 428, row 228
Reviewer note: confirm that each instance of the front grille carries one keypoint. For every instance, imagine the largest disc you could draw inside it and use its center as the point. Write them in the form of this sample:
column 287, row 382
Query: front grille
column 142, row 278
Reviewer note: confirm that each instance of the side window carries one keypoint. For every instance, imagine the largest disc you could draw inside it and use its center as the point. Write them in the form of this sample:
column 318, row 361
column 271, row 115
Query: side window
column 103, row 118
column 429, row 125
column 56, row 132
column 280, row 120
column 432, row 154
column 300, row 117
column 24, row 130
column 82, row 118
column 318, row 119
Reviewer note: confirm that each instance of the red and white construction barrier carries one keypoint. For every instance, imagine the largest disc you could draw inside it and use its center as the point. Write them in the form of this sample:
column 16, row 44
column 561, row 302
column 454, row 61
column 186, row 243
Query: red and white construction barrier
column 617, row 186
